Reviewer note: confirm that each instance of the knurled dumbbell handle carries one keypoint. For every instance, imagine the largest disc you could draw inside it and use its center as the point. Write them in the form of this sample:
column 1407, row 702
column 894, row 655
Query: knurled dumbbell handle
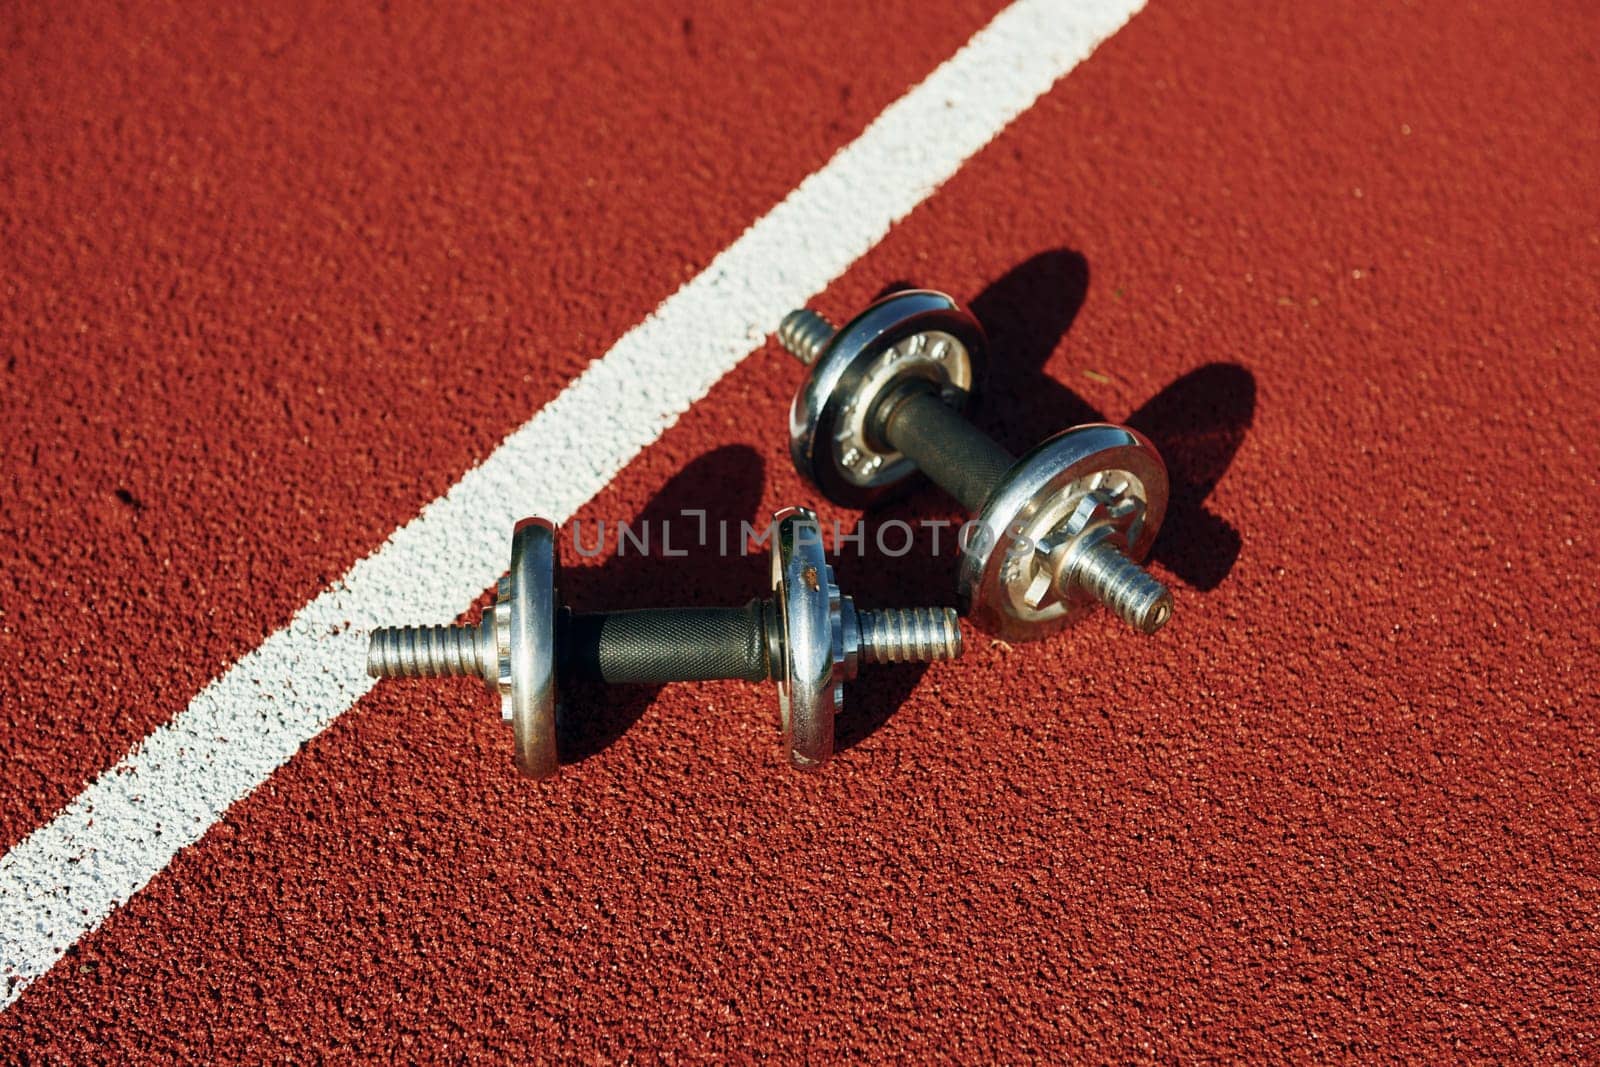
column 954, row 454
column 657, row 645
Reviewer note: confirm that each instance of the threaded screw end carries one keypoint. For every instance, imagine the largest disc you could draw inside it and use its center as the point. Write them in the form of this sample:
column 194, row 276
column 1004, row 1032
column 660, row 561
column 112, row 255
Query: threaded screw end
column 424, row 652
column 804, row 333
column 1123, row 586
column 909, row 635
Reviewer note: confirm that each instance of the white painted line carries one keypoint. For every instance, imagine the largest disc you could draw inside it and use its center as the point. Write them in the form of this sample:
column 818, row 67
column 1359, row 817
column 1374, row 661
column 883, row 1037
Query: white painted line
column 64, row 879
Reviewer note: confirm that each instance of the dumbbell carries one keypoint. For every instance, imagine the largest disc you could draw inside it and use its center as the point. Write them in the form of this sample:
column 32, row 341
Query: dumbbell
column 807, row 637
column 1055, row 532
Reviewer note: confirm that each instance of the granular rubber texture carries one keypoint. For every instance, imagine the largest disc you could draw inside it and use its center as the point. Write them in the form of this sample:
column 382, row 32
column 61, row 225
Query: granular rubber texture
column 273, row 280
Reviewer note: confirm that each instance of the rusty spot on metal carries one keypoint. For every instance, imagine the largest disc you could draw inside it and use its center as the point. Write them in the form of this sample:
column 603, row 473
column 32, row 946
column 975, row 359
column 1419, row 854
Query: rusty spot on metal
column 809, row 576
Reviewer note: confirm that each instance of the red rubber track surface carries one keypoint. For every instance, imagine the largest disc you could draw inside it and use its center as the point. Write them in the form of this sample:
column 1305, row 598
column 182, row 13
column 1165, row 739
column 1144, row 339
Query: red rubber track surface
column 276, row 281
column 273, row 285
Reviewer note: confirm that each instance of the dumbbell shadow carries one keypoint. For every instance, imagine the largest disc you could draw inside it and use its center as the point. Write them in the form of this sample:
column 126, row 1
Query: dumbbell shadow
column 1197, row 423
column 885, row 573
column 725, row 483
